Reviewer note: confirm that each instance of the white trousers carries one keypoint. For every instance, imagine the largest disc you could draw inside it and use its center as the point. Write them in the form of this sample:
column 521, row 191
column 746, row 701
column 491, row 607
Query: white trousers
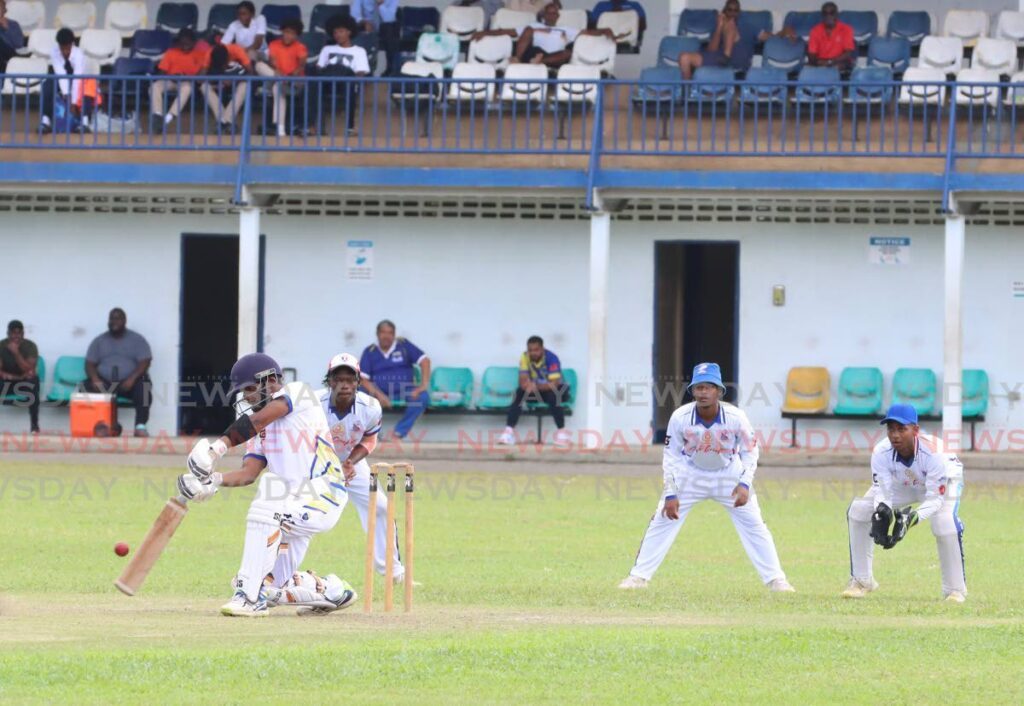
column 754, row 534
column 359, row 495
column 947, row 529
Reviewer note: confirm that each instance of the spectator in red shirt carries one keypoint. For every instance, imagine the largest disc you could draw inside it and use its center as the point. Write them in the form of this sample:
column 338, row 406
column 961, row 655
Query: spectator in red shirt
column 287, row 58
column 225, row 64
column 831, row 42
column 181, row 60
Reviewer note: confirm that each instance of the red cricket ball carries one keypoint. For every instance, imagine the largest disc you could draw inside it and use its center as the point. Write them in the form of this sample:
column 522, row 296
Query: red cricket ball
column 121, row 549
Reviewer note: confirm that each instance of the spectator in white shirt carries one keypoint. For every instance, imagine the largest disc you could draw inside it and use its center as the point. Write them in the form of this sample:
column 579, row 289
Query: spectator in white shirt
column 249, row 31
column 344, row 60
column 76, row 96
column 544, row 42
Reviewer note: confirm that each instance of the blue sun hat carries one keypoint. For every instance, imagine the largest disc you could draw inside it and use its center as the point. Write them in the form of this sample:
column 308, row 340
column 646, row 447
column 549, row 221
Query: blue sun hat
column 707, row 372
column 901, row 414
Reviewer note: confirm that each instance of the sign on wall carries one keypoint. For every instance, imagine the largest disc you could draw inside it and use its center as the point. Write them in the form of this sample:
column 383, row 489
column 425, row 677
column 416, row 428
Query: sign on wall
column 1017, row 289
column 888, row 251
column 359, row 260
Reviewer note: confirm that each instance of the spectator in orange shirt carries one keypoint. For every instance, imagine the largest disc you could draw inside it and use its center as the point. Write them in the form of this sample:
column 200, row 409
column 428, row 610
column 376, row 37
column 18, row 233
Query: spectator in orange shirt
column 227, row 62
column 182, row 59
column 287, row 58
column 831, row 42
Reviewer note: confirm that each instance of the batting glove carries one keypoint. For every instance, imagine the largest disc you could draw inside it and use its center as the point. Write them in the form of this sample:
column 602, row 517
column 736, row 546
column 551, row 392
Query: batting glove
column 191, row 488
column 203, row 457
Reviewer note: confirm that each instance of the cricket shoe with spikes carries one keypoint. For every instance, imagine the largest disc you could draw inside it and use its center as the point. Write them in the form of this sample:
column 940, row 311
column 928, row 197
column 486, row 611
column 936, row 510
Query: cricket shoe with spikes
column 631, row 582
column 859, row 589
column 241, row 607
column 781, row 586
column 955, row 597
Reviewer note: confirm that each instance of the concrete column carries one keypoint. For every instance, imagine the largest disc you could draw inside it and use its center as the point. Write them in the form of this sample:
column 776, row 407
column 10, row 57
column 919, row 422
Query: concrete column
column 248, row 277
column 597, row 338
column 952, row 398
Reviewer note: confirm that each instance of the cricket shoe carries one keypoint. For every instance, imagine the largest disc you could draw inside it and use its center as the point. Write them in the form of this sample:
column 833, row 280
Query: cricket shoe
column 241, row 607
column 859, row 589
column 780, row 586
column 955, row 597
column 631, row 582
column 508, row 437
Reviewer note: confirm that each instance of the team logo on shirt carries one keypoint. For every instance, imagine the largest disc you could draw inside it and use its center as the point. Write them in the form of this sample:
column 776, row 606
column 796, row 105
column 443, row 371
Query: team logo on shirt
column 397, row 356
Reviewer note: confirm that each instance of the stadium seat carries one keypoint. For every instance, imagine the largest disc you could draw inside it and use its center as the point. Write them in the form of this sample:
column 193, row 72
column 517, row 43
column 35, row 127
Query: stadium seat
column 499, row 384
column 712, row 85
column 785, row 54
column 1015, row 93
column 76, row 16
column 944, row 53
column 219, row 17
column 765, row 86
column 657, row 90
column 11, row 397
column 418, row 98
column 571, row 379
column 276, row 15
column 818, row 85
column 916, row 387
column 864, row 24
column 26, row 85
column 322, row 13
column 451, row 387
column 133, row 66
column 802, row 22
column 583, row 92
column 597, row 51
column 511, row 19
column 314, row 41
column 30, row 14
column 699, row 24
column 437, row 48
column 151, row 43
column 173, row 16
column 912, row 26
column 525, row 83
column 975, row 393
column 755, row 22
column 807, row 391
column 463, row 22
column 999, row 55
column 125, row 16
column 41, row 43
column 414, row 21
column 480, row 90
column 496, row 51
column 923, row 94
column 892, row 52
column 625, row 25
column 968, row 25
column 867, row 92
column 370, row 42
column 1010, row 25
column 976, row 95
column 859, row 392
column 671, row 47
column 576, row 19
column 68, row 374
column 101, row 45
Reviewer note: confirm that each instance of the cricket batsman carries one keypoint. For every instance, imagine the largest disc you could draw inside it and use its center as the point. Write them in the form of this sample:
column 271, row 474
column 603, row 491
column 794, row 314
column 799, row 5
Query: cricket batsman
column 302, row 494
column 908, row 467
column 710, row 454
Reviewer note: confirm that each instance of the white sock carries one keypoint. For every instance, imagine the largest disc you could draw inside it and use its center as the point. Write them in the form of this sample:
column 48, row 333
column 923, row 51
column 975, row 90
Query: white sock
column 45, row 120
column 258, row 556
column 510, row 430
column 168, row 119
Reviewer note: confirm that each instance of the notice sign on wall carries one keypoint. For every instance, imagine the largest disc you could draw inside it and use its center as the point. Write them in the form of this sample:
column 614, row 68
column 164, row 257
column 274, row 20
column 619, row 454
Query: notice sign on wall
column 888, row 251
column 1017, row 289
column 359, row 260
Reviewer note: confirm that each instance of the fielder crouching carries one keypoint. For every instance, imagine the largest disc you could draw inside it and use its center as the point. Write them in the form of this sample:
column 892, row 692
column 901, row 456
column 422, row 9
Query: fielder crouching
column 908, row 467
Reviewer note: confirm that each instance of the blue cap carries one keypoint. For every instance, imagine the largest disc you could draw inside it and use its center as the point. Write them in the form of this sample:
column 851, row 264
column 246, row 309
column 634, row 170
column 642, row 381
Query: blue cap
column 901, row 414
column 707, row 372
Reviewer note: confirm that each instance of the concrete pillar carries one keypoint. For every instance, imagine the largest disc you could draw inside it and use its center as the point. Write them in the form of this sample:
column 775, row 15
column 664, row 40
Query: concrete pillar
column 248, row 277
column 597, row 337
column 952, row 398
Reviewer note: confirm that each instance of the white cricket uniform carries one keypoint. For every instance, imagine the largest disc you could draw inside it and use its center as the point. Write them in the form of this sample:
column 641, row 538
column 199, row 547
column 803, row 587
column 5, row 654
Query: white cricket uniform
column 348, row 428
column 707, row 462
column 301, row 494
column 933, row 478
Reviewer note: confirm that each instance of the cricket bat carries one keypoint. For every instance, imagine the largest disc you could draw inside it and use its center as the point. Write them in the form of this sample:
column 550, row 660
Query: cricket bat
column 134, row 575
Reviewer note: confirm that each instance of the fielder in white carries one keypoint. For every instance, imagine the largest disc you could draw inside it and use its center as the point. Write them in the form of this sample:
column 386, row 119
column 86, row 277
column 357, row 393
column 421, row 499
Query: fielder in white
column 303, row 494
column 354, row 418
column 710, row 454
column 908, row 467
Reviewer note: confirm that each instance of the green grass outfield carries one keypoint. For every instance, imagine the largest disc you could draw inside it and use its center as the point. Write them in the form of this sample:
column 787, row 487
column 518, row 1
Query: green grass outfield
column 518, row 604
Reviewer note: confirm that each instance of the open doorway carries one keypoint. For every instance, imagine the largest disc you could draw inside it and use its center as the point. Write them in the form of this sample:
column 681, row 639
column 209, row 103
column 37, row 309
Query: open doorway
column 209, row 330
column 696, row 318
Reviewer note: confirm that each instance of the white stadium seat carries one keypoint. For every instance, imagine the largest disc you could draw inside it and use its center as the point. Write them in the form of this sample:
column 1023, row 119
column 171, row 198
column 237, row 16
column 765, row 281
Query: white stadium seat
column 42, row 42
column 513, row 91
column 999, row 55
column 577, row 19
column 1010, row 25
column 416, row 69
column 977, row 95
column 125, row 16
column 919, row 95
column 591, row 50
column 495, row 51
column 511, row 19
column 33, row 66
column 76, row 16
column 101, row 45
column 946, row 53
column 1015, row 96
column 585, row 91
column 480, row 91
column 622, row 23
column 30, row 14
column 969, row 25
column 463, row 22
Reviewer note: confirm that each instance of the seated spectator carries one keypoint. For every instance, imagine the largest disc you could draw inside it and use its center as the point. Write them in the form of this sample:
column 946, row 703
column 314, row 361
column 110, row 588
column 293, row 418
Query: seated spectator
column 11, row 37
column 73, row 101
column 18, row 375
column 728, row 46
column 287, row 58
column 532, row 6
column 489, row 7
column 227, row 61
column 342, row 59
column 387, row 374
column 381, row 16
column 182, row 59
column 544, row 42
column 116, row 363
column 620, row 6
column 540, row 379
column 831, row 42
column 249, row 31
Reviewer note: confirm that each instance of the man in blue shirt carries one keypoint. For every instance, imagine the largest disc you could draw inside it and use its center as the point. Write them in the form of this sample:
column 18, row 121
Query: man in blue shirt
column 11, row 37
column 381, row 16
column 540, row 378
column 387, row 374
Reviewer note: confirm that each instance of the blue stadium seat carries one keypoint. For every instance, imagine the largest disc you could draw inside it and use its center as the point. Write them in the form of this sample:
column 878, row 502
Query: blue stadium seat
column 802, row 22
column 276, row 15
column 220, row 16
column 893, row 52
column 135, row 66
column 864, row 24
column 712, row 85
column 785, row 54
column 912, row 26
column 671, row 47
column 173, row 16
column 697, row 23
column 657, row 84
column 861, row 94
column 150, row 43
column 314, row 41
column 322, row 13
column 818, row 85
column 414, row 21
column 370, row 42
column 755, row 22
column 764, row 85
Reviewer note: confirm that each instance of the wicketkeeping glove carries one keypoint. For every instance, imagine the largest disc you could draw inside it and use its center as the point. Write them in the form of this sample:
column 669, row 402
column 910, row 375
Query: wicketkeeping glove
column 880, row 522
column 906, row 517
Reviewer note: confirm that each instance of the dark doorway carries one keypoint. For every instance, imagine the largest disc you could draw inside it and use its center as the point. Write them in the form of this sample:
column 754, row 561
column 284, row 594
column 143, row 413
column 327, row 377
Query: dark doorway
column 696, row 318
column 209, row 330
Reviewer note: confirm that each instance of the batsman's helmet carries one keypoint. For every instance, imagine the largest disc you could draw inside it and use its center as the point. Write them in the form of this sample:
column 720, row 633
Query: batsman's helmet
column 254, row 369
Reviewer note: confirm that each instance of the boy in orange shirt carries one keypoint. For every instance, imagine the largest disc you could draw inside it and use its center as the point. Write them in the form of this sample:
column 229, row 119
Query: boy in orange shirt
column 227, row 61
column 182, row 59
column 287, row 58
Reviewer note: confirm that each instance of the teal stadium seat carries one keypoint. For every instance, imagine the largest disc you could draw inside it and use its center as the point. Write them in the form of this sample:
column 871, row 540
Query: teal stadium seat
column 916, row 387
column 497, row 387
column 859, row 393
column 975, row 393
column 41, row 374
column 68, row 373
column 451, row 387
column 570, row 378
